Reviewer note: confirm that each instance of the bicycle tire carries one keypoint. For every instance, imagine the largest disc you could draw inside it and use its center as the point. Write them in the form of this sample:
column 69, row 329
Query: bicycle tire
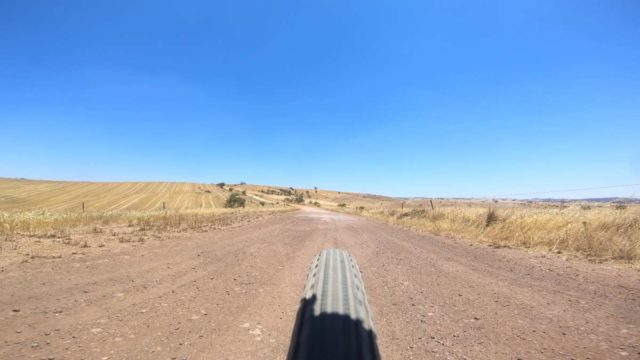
column 334, row 319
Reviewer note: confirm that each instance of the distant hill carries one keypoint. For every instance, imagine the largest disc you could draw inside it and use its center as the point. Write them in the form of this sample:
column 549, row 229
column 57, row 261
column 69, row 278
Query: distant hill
column 24, row 194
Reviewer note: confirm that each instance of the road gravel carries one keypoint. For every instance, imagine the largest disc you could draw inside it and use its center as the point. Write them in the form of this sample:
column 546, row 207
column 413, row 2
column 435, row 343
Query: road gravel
column 234, row 293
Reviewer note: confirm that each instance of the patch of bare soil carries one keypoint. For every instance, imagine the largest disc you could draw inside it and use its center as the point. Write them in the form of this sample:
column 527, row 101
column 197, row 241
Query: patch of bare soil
column 233, row 294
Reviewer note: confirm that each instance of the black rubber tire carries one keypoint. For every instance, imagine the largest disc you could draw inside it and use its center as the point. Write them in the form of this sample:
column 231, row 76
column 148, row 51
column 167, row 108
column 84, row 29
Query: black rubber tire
column 334, row 320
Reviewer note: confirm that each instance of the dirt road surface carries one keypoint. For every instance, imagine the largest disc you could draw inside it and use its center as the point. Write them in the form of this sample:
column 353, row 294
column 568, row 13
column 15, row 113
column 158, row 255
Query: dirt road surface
column 234, row 293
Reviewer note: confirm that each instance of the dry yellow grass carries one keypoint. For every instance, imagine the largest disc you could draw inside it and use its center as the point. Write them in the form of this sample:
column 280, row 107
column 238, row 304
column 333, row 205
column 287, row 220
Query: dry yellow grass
column 595, row 230
column 38, row 217
column 48, row 223
column 51, row 234
column 599, row 231
column 18, row 194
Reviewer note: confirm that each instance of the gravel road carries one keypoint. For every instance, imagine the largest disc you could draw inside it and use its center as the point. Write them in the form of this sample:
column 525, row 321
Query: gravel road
column 234, row 293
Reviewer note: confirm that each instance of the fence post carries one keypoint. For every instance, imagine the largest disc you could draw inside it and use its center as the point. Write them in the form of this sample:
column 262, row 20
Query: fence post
column 163, row 206
column 431, row 202
column 83, row 206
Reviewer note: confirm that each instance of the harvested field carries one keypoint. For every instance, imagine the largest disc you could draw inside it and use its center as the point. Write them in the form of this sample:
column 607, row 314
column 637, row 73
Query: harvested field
column 16, row 194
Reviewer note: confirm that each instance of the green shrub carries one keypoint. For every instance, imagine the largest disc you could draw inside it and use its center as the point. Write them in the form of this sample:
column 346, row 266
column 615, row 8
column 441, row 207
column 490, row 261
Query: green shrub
column 234, row 201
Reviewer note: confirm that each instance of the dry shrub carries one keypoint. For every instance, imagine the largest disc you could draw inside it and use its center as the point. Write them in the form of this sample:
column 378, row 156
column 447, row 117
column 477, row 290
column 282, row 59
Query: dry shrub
column 491, row 217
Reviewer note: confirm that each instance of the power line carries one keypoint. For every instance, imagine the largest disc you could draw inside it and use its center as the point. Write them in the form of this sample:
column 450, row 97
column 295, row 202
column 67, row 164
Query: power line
column 567, row 190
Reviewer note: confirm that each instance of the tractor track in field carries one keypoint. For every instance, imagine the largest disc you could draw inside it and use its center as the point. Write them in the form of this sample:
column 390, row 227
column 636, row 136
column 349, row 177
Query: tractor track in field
column 233, row 294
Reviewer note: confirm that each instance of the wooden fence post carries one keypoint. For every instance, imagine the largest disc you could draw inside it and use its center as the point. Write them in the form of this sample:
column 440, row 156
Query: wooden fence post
column 431, row 202
column 83, row 206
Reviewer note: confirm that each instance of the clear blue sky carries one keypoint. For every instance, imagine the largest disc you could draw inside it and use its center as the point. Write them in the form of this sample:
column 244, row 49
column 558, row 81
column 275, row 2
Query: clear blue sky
column 422, row 98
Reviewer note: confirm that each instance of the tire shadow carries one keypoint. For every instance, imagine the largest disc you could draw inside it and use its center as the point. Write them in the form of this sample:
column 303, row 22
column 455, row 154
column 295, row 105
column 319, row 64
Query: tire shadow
column 330, row 336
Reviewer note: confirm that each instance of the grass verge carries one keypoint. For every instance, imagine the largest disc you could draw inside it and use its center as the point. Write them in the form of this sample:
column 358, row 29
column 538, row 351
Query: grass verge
column 49, row 234
column 604, row 232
